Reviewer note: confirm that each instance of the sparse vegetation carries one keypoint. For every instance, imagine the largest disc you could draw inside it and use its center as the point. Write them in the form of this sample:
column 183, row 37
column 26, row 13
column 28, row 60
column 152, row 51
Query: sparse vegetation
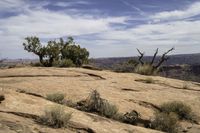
column 94, row 103
column 55, row 117
column 127, row 66
column 131, row 117
column 69, row 103
column 149, row 68
column 182, row 110
column 66, row 63
column 149, row 81
column 36, row 64
column 108, row 110
column 56, row 97
column 145, row 69
column 166, row 122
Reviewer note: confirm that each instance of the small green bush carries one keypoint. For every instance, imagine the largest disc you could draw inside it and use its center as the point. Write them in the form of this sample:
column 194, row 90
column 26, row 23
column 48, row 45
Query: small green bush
column 182, row 110
column 56, row 97
column 145, row 69
column 55, row 117
column 67, row 63
column 166, row 122
column 36, row 64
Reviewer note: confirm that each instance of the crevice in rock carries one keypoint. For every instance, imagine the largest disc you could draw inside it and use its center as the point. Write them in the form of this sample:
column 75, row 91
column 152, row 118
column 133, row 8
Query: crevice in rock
column 179, row 88
column 29, row 93
column 145, row 104
column 78, row 126
column 94, row 75
column 126, row 89
column 25, row 115
column 18, row 76
column 2, row 98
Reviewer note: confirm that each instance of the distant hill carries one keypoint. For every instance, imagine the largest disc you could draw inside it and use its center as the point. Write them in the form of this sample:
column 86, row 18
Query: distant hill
column 189, row 59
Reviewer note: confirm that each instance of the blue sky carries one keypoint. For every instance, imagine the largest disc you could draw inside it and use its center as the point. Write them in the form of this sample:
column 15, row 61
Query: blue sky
column 107, row 28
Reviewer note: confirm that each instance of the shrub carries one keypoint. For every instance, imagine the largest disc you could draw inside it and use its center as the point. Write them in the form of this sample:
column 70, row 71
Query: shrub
column 118, row 117
column 69, row 103
column 131, row 117
column 127, row 66
column 108, row 110
column 182, row 110
column 166, row 122
column 94, row 103
column 56, row 97
column 145, row 69
column 55, row 117
column 149, row 80
column 66, row 63
column 36, row 64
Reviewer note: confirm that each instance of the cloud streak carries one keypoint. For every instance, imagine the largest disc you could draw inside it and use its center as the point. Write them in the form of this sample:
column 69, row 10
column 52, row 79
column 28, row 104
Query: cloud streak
column 97, row 33
column 191, row 11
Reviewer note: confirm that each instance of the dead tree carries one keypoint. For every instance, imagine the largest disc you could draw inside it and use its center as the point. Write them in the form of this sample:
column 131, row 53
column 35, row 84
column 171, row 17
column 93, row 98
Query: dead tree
column 162, row 59
column 140, row 57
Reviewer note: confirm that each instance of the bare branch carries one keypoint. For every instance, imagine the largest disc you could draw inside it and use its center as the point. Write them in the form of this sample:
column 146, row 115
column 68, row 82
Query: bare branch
column 163, row 58
column 154, row 56
column 140, row 57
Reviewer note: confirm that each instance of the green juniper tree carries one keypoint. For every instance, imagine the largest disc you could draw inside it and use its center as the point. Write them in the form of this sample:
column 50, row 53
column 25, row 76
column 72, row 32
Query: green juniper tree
column 57, row 51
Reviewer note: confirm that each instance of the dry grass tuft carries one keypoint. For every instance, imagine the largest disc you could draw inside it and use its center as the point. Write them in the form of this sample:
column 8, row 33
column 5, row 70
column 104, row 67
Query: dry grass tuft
column 55, row 117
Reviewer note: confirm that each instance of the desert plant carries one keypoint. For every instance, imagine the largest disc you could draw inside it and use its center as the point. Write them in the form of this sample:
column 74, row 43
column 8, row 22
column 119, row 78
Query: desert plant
column 182, row 110
column 55, row 117
column 36, row 64
column 94, row 103
column 165, row 122
column 56, row 50
column 66, row 63
column 55, row 97
column 127, row 66
column 149, row 80
column 75, row 53
column 69, row 103
column 131, row 117
column 108, row 110
column 149, row 68
column 145, row 69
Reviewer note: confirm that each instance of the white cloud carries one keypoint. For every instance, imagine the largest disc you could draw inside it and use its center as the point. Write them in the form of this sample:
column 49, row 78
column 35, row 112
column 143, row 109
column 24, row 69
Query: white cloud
column 48, row 24
column 191, row 11
column 11, row 4
column 108, row 41
column 72, row 3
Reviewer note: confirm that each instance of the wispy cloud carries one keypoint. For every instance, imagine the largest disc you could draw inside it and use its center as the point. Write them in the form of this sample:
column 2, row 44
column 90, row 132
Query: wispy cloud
column 188, row 12
column 101, row 34
column 71, row 3
column 47, row 24
column 132, row 7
